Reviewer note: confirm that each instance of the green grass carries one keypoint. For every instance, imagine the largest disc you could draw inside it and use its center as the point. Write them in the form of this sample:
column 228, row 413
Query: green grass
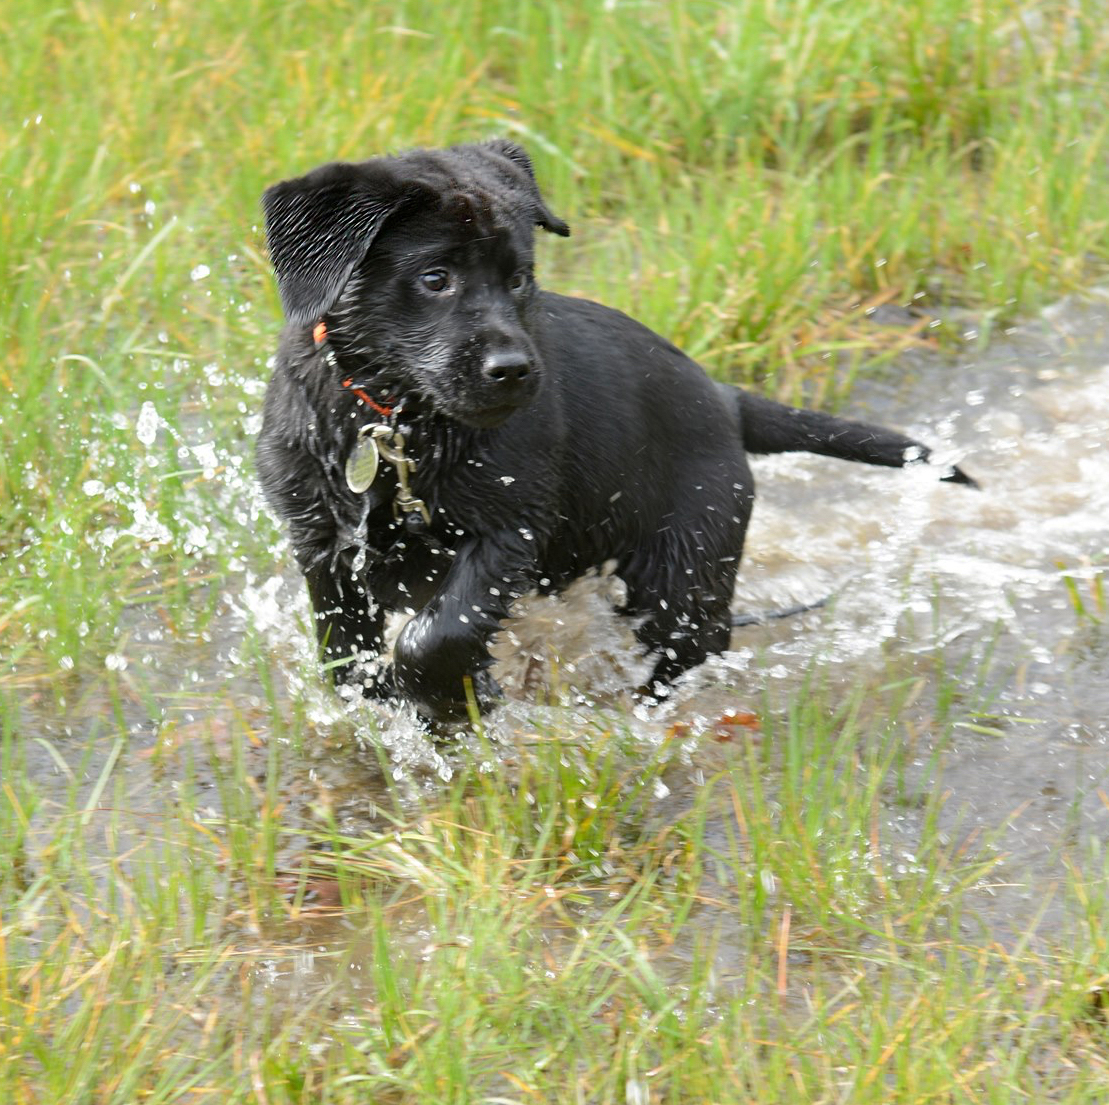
column 754, row 180
column 552, row 931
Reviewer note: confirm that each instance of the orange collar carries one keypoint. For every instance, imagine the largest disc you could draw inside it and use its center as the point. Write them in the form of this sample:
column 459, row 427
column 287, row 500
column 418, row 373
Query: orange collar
column 319, row 336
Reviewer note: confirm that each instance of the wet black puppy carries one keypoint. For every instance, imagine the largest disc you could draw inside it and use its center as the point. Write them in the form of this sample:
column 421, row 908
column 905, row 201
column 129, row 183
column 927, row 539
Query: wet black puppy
column 441, row 436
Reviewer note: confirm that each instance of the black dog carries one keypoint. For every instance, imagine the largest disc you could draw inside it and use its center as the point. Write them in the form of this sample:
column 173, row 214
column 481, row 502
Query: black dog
column 442, row 436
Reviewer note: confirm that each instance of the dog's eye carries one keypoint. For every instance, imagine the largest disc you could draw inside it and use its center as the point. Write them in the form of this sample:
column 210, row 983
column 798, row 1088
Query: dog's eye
column 518, row 281
column 435, row 281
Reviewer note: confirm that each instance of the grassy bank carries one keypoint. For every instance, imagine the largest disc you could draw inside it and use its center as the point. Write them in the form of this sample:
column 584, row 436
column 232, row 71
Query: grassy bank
column 751, row 179
column 793, row 192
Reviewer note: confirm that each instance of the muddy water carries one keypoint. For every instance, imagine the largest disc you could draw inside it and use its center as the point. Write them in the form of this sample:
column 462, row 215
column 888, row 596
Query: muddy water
column 915, row 566
column 912, row 567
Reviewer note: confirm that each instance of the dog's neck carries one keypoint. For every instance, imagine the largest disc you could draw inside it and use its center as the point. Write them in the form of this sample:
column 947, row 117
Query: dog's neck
column 436, row 445
column 319, row 337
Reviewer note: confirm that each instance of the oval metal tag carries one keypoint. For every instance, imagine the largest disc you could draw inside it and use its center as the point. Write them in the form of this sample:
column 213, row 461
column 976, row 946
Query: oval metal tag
column 361, row 466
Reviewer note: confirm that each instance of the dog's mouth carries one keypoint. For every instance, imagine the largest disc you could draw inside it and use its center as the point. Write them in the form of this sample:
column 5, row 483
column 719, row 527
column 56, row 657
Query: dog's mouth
column 488, row 418
column 477, row 408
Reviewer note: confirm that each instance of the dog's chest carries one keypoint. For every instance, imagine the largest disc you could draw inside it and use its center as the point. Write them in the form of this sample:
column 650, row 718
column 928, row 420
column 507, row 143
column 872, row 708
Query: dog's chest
column 469, row 495
column 402, row 569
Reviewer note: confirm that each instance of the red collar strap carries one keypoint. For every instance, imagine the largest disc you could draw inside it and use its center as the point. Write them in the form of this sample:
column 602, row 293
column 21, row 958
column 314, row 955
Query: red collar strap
column 319, row 336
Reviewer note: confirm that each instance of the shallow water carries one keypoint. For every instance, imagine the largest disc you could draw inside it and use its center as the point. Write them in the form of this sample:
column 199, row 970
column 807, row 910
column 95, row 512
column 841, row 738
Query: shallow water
column 913, row 568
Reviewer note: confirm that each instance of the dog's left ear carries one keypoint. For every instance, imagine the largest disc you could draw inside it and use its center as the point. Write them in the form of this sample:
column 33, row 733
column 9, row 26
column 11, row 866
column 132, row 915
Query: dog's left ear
column 520, row 159
column 320, row 226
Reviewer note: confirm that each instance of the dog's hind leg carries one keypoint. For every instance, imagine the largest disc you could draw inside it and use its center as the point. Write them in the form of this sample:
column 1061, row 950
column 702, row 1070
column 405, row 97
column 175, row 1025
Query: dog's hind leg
column 682, row 581
column 681, row 638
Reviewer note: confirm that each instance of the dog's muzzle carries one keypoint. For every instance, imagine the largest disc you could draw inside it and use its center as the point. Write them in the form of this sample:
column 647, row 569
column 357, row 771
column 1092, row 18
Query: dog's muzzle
column 509, row 380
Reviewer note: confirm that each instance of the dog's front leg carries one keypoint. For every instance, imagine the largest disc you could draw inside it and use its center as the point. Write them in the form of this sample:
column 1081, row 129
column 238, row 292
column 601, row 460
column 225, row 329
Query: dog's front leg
column 448, row 641
column 348, row 626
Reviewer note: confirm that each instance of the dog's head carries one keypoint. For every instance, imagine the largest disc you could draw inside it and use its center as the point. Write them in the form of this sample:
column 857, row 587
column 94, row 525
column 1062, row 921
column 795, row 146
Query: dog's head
column 421, row 266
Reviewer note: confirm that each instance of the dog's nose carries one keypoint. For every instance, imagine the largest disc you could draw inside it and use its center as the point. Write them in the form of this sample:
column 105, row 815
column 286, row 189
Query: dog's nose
column 507, row 367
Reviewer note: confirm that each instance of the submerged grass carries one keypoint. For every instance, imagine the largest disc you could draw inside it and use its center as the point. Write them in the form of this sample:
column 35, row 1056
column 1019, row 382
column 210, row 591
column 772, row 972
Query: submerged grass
column 793, row 193
column 773, row 940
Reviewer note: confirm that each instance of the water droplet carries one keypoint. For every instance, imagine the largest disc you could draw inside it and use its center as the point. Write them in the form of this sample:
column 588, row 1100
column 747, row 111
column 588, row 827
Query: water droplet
column 206, row 457
column 146, row 427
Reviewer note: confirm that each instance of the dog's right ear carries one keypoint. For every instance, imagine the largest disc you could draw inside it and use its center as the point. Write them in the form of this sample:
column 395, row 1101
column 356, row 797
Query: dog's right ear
column 518, row 156
column 319, row 227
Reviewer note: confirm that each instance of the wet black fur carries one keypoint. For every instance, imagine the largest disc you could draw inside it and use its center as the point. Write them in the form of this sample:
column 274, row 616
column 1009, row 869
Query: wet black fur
column 551, row 434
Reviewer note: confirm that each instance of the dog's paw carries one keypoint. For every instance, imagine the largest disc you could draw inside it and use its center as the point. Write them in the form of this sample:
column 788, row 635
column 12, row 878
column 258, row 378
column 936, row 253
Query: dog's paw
column 487, row 691
column 653, row 693
column 481, row 690
column 381, row 685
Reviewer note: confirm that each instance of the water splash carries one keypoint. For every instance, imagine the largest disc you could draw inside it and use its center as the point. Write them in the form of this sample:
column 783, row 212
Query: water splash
column 146, row 425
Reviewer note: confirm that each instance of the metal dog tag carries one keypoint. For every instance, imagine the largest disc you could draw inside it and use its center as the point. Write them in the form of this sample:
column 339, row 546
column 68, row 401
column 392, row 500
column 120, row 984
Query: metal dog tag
column 361, row 466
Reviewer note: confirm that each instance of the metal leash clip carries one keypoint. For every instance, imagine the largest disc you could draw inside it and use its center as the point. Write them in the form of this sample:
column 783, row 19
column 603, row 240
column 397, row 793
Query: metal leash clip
column 390, row 444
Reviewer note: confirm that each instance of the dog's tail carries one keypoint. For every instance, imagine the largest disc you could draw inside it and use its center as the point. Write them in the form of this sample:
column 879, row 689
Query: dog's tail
column 741, row 620
column 770, row 427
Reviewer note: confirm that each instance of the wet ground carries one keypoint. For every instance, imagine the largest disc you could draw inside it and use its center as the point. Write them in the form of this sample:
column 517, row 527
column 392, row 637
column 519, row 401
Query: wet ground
column 914, row 568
